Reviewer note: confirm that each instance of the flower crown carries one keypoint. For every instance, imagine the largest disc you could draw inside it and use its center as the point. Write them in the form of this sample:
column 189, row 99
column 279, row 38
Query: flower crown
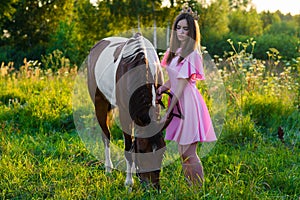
column 188, row 10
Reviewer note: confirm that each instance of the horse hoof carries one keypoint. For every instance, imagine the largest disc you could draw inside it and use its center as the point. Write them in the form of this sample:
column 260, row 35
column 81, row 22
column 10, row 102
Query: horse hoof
column 128, row 188
column 129, row 183
column 108, row 170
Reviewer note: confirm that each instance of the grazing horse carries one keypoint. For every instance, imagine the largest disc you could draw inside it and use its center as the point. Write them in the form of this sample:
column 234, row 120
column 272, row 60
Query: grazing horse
column 125, row 73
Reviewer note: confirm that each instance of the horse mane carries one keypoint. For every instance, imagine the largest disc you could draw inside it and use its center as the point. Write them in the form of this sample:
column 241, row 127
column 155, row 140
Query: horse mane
column 118, row 50
column 136, row 48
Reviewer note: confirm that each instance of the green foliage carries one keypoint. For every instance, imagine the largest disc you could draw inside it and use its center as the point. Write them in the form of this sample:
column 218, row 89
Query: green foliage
column 268, row 112
column 286, row 28
column 29, row 27
column 55, row 61
column 239, row 130
column 92, row 23
column 239, row 4
column 278, row 41
column 7, row 10
column 245, row 23
column 214, row 21
column 40, row 101
column 269, row 18
column 267, row 92
column 64, row 40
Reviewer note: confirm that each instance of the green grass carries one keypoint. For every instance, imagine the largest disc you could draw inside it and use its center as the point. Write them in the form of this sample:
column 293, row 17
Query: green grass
column 42, row 156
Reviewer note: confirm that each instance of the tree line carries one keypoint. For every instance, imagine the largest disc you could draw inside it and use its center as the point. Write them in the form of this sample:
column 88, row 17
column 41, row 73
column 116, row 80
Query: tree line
column 33, row 29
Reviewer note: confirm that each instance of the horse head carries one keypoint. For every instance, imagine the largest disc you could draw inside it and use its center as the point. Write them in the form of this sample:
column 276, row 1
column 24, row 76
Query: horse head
column 148, row 158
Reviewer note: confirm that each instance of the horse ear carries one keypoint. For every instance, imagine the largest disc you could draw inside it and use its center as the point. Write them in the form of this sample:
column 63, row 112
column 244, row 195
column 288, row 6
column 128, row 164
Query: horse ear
column 138, row 34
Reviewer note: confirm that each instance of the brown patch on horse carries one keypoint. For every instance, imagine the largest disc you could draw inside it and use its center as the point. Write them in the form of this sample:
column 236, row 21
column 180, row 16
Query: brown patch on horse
column 102, row 108
column 141, row 99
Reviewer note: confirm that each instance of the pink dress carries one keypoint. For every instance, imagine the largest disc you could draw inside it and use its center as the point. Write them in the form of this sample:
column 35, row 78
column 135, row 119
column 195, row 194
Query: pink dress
column 196, row 126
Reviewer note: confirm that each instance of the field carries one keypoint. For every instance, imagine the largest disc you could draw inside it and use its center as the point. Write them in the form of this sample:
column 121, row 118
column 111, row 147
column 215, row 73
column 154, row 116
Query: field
column 42, row 156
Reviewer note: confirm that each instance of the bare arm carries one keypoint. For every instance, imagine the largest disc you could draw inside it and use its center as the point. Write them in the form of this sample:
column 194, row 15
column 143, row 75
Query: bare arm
column 177, row 94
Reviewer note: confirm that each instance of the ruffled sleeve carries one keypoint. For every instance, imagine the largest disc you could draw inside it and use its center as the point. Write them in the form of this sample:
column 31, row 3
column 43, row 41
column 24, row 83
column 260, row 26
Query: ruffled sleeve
column 163, row 62
column 192, row 67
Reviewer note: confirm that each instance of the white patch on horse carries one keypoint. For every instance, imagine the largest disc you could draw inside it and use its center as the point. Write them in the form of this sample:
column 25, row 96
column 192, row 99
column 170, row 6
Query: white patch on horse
column 129, row 180
column 131, row 50
column 153, row 95
column 108, row 163
column 106, row 68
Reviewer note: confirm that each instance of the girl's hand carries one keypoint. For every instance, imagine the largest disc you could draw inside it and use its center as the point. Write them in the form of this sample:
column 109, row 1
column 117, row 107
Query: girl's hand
column 159, row 92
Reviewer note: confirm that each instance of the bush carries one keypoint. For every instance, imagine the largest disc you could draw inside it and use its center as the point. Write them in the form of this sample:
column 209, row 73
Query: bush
column 41, row 101
column 268, row 112
column 55, row 61
column 287, row 46
column 240, row 129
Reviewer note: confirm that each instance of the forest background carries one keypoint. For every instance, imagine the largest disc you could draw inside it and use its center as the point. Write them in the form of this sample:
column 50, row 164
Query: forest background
column 40, row 29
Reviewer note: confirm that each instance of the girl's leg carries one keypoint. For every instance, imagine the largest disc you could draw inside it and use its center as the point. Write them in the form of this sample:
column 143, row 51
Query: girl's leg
column 191, row 163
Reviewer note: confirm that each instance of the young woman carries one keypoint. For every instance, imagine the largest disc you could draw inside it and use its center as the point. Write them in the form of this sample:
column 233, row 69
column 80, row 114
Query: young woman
column 184, row 65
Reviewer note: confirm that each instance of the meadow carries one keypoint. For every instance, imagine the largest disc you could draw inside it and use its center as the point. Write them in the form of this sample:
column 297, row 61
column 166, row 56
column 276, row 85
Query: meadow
column 257, row 155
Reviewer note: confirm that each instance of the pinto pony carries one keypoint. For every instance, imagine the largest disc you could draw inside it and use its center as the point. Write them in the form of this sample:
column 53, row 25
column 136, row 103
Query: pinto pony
column 125, row 73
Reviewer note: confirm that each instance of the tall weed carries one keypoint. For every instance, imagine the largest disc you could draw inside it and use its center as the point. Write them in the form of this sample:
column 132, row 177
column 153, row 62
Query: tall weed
column 37, row 99
column 264, row 92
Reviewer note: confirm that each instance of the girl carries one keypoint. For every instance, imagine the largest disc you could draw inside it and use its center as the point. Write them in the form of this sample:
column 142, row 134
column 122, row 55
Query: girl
column 184, row 66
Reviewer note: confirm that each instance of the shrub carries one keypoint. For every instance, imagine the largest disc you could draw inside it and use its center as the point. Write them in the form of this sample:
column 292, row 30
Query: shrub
column 239, row 129
column 268, row 112
column 55, row 61
column 286, row 44
column 36, row 99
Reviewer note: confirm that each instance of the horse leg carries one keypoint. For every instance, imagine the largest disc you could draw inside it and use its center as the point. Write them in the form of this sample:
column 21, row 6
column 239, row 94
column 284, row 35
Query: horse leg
column 128, row 157
column 102, row 107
